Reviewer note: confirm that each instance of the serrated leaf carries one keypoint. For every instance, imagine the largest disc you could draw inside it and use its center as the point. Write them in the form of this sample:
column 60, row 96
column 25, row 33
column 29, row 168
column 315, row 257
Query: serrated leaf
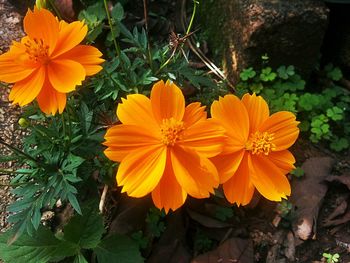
column 118, row 12
column 85, row 230
column 74, row 202
column 40, row 248
column 118, row 249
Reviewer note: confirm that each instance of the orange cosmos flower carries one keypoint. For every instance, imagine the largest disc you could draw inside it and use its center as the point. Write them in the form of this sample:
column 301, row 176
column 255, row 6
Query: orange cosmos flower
column 48, row 62
column 255, row 155
column 164, row 147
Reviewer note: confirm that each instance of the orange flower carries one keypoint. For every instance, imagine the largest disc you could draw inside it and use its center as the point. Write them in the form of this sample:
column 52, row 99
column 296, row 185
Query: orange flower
column 48, row 62
column 255, row 155
column 164, row 147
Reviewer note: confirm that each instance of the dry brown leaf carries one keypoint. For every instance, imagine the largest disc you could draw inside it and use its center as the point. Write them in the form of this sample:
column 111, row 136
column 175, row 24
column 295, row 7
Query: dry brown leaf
column 307, row 195
column 233, row 250
column 130, row 215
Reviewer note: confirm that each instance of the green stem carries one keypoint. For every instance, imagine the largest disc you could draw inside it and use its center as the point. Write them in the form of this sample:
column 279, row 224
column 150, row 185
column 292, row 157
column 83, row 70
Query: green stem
column 7, row 171
column 192, row 17
column 149, row 55
column 187, row 32
column 57, row 12
column 15, row 149
column 117, row 49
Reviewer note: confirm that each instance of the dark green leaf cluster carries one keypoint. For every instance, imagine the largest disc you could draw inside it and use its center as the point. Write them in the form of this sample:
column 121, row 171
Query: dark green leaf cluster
column 82, row 235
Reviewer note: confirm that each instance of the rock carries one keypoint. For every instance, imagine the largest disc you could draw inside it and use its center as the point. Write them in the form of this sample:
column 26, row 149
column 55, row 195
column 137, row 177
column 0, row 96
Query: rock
column 290, row 32
column 336, row 48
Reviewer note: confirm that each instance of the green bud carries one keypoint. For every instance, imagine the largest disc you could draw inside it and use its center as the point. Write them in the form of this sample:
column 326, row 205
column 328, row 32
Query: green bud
column 40, row 3
column 23, row 123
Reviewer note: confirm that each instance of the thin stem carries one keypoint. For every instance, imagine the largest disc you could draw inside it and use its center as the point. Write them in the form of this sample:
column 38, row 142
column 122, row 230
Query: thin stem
column 7, row 171
column 145, row 13
column 15, row 149
column 192, row 17
column 187, row 32
column 55, row 9
column 117, row 49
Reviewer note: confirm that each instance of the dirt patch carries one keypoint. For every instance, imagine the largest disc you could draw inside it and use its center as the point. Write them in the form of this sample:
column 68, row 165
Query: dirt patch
column 10, row 29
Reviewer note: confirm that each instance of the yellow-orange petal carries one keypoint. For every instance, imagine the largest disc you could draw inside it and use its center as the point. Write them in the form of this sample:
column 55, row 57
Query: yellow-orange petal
column 50, row 100
column 140, row 171
column 167, row 101
column 268, row 179
column 65, row 74
column 205, row 137
column 26, row 90
column 122, row 139
column 13, row 66
column 195, row 173
column 284, row 128
column 284, row 160
column 194, row 113
column 168, row 194
column 239, row 189
column 136, row 110
column 227, row 164
column 87, row 56
column 257, row 109
column 41, row 24
column 230, row 112
column 70, row 35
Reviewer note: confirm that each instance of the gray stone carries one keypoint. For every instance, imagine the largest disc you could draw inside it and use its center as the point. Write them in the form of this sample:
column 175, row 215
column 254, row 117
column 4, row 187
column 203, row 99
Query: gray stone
column 290, row 32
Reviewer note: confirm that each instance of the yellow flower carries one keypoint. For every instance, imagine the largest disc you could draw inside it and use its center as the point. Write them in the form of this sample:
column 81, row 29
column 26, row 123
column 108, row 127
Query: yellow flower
column 255, row 155
column 164, row 147
column 48, row 62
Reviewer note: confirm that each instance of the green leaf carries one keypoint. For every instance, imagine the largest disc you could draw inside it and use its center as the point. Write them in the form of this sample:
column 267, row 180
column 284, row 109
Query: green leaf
column 267, row 74
column 339, row 144
column 118, row 249
column 42, row 247
column 297, row 172
column 335, row 113
column 118, row 12
column 80, row 259
column 246, row 74
column 335, row 74
column 85, row 230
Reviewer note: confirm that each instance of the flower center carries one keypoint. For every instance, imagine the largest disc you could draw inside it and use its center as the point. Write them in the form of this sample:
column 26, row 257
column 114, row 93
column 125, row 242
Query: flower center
column 260, row 142
column 171, row 130
column 37, row 50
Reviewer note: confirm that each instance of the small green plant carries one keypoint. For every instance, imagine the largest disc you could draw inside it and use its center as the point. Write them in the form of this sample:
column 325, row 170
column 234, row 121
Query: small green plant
column 284, row 208
column 331, row 258
column 298, row 172
column 155, row 223
column 223, row 213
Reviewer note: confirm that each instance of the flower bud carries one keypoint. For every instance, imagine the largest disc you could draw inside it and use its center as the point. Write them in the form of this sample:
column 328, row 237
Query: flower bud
column 40, row 3
column 23, row 123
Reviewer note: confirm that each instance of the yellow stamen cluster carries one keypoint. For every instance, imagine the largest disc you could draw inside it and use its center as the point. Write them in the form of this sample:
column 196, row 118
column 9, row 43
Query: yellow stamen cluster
column 260, row 142
column 171, row 130
column 37, row 50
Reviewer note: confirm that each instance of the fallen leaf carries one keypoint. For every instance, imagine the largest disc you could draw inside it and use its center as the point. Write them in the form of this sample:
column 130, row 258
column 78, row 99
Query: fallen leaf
column 130, row 215
column 307, row 195
column 233, row 250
